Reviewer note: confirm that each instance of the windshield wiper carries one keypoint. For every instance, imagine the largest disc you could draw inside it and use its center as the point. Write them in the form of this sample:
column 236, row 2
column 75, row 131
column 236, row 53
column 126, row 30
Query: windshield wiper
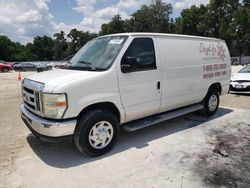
column 83, row 68
column 92, row 68
column 79, row 68
column 89, row 66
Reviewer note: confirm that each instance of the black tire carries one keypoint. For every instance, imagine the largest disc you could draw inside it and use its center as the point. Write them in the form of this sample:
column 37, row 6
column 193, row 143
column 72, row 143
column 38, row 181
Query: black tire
column 230, row 88
column 209, row 111
column 5, row 69
column 84, row 127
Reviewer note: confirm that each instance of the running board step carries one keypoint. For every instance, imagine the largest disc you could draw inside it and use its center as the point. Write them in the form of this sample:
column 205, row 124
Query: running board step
column 152, row 120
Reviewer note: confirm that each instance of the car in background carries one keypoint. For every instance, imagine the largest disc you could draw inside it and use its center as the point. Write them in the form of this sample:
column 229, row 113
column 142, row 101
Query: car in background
column 29, row 66
column 51, row 65
column 8, row 63
column 241, row 80
column 5, row 67
column 63, row 63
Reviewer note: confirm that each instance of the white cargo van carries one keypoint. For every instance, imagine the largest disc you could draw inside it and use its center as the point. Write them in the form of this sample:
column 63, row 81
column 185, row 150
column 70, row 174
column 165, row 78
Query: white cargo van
column 129, row 81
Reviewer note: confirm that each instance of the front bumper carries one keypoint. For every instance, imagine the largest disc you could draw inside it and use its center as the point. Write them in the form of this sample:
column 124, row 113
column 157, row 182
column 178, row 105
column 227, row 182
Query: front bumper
column 42, row 127
column 235, row 86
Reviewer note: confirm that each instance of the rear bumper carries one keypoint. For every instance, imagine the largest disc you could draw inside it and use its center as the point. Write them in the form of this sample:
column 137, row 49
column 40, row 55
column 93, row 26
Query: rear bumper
column 43, row 128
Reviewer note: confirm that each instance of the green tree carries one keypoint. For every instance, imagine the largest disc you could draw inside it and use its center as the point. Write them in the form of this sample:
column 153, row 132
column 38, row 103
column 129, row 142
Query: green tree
column 6, row 48
column 11, row 51
column 177, row 28
column 242, row 31
column 142, row 20
column 193, row 21
column 42, row 48
column 224, row 19
column 78, row 39
column 152, row 18
column 29, row 52
column 116, row 25
column 128, row 25
column 19, row 53
column 160, row 13
column 246, row 3
column 60, row 46
column 220, row 17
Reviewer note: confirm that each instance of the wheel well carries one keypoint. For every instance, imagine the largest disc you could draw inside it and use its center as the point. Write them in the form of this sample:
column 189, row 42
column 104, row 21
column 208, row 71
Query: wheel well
column 216, row 86
column 104, row 106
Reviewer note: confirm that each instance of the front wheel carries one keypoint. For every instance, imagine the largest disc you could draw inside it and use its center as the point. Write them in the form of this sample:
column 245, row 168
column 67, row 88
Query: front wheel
column 211, row 102
column 96, row 132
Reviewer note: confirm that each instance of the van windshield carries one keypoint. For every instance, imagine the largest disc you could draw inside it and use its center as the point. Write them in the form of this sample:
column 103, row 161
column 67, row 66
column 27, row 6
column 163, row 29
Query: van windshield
column 98, row 54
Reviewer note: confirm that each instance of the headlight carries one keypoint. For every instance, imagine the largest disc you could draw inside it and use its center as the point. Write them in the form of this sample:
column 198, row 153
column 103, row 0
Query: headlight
column 54, row 105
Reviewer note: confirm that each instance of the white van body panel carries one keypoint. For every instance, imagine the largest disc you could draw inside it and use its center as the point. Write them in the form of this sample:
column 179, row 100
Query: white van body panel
column 184, row 69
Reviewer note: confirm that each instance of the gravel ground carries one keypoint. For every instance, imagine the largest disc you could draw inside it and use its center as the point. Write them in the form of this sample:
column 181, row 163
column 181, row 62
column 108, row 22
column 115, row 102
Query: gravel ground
column 189, row 151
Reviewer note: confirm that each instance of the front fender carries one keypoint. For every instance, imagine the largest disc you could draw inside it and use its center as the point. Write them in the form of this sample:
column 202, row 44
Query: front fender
column 75, row 108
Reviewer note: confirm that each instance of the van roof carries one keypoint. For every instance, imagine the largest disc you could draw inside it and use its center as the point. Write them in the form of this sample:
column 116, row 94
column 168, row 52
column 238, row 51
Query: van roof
column 163, row 35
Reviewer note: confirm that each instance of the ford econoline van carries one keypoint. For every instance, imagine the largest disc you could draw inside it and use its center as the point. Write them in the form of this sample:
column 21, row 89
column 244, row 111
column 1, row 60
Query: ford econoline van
column 129, row 81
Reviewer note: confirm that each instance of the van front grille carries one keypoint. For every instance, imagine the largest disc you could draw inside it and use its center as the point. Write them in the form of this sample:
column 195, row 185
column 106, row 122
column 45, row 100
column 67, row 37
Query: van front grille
column 29, row 105
column 31, row 100
column 32, row 92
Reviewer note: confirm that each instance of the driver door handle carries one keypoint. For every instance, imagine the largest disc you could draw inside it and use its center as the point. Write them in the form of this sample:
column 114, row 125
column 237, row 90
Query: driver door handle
column 158, row 85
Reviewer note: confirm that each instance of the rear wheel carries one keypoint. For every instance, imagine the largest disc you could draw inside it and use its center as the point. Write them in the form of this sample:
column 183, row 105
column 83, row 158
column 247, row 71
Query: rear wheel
column 96, row 132
column 211, row 102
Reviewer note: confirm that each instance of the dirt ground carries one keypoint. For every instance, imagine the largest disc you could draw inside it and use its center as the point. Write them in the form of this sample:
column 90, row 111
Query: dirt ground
column 189, row 151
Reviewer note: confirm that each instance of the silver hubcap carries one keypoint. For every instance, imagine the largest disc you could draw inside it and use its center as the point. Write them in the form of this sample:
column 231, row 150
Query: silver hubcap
column 101, row 134
column 212, row 104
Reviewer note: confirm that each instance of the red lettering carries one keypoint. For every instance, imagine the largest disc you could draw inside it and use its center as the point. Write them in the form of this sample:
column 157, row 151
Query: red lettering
column 224, row 73
column 213, row 49
column 217, row 74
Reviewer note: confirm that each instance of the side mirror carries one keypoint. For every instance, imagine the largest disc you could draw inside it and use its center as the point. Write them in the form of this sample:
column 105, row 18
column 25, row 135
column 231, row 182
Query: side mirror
column 128, row 64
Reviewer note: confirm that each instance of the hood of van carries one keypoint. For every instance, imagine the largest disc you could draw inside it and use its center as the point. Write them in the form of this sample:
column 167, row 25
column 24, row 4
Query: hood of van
column 54, row 78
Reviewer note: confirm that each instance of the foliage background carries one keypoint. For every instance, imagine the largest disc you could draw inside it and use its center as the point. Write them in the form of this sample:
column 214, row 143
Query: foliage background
column 225, row 19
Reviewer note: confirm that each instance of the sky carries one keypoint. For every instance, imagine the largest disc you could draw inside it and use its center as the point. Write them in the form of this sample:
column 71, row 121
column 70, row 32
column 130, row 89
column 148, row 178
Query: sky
column 22, row 20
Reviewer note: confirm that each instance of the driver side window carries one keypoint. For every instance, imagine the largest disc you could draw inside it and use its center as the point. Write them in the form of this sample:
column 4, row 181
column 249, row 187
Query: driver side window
column 141, row 49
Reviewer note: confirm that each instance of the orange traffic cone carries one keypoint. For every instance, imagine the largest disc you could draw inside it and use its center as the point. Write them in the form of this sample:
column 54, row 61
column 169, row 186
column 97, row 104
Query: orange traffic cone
column 19, row 77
